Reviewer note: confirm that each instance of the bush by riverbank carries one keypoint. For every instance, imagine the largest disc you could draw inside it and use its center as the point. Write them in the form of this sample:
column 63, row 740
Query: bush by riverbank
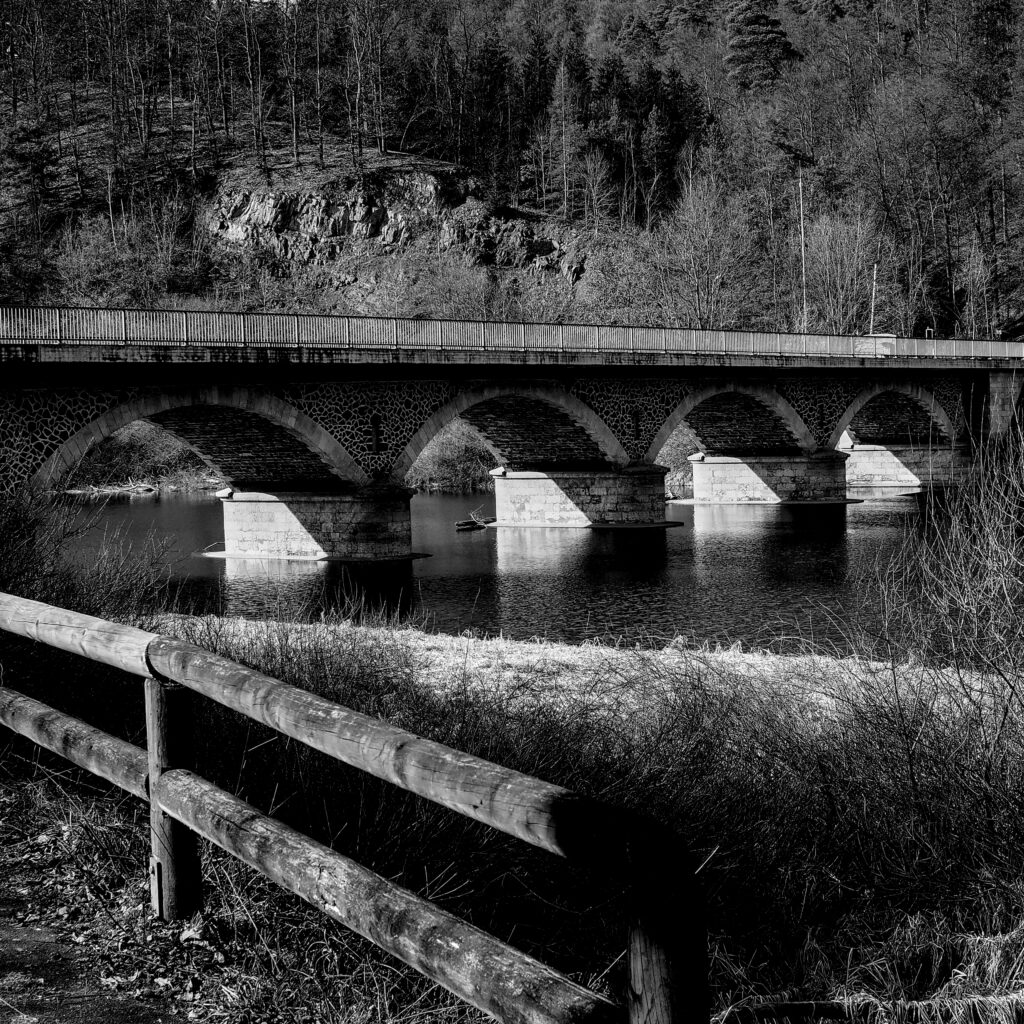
column 857, row 822
column 455, row 461
column 142, row 453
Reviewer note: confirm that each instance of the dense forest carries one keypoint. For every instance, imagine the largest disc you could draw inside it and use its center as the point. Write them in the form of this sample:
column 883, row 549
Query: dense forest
column 829, row 165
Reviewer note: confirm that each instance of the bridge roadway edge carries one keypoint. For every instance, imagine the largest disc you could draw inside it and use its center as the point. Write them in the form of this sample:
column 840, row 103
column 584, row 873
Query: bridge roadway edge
column 25, row 357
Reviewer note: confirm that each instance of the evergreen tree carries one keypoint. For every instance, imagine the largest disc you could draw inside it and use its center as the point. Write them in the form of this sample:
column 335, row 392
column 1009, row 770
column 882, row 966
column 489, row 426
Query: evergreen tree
column 759, row 48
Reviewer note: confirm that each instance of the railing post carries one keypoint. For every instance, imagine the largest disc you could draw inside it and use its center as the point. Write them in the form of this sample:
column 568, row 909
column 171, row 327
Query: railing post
column 124, row 327
column 175, row 880
column 184, row 327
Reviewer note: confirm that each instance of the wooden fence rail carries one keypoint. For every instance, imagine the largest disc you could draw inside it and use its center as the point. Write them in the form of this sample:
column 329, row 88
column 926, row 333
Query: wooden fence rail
column 667, row 943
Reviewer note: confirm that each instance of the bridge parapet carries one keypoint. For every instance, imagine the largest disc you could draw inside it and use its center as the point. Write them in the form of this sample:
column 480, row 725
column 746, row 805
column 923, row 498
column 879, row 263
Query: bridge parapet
column 67, row 326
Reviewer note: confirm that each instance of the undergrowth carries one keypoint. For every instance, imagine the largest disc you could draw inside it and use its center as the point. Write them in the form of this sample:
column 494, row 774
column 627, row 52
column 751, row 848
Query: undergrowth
column 857, row 822
column 143, row 452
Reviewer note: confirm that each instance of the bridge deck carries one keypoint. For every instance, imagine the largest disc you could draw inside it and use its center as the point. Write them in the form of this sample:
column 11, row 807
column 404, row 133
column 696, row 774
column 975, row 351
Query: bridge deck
column 53, row 334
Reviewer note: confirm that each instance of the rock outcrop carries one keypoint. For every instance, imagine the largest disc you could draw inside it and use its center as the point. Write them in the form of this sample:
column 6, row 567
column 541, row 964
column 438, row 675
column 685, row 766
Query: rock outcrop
column 313, row 226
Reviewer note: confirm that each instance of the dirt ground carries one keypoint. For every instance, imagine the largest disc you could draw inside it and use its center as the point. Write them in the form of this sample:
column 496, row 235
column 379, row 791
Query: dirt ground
column 47, row 976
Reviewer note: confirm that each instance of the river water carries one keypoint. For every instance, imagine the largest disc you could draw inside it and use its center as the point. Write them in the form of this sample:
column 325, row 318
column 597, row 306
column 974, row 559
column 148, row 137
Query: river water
column 727, row 573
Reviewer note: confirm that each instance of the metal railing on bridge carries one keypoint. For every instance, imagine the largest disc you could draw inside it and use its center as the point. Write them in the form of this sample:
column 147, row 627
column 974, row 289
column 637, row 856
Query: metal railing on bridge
column 78, row 326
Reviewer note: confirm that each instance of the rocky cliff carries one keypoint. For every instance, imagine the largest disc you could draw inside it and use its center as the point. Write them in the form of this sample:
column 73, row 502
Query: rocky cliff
column 314, row 225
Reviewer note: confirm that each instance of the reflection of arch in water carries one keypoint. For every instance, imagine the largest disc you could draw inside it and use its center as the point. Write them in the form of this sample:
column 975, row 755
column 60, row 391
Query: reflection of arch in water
column 243, row 435
column 280, row 588
column 754, row 562
column 526, row 426
column 532, row 566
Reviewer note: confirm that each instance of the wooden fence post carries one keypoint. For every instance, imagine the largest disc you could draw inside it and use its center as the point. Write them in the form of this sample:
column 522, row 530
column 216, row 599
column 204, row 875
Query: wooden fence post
column 668, row 969
column 175, row 880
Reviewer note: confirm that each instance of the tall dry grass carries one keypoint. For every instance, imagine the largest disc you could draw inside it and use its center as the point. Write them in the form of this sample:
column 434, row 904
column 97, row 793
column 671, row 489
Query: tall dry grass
column 858, row 822
column 36, row 534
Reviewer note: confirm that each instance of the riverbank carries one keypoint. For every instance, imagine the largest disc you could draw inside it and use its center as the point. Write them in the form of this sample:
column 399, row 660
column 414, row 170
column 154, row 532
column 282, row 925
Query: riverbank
column 854, row 822
column 535, row 671
column 807, row 786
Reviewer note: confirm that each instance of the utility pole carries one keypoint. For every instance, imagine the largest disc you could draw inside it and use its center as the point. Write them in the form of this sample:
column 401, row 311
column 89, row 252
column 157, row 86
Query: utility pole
column 874, row 281
column 803, row 247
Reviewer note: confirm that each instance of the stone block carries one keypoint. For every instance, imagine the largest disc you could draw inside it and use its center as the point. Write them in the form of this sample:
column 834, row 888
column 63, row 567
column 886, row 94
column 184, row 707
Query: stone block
column 580, row 498
column 767, row 479
column 369, row 524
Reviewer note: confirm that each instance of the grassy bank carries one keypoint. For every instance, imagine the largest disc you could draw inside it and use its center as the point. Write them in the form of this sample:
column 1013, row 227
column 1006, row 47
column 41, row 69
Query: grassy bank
column 856, row 822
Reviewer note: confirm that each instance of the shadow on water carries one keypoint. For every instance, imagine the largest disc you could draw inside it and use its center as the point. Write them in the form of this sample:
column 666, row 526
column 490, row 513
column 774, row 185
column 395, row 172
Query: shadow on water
column 730, row 573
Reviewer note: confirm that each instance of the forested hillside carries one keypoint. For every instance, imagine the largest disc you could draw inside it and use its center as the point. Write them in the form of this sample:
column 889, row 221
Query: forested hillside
column 811, row 164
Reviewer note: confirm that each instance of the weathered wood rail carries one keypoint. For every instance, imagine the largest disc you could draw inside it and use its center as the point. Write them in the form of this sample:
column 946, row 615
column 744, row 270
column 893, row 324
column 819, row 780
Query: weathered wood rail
column 667, row 945
column 70, row 326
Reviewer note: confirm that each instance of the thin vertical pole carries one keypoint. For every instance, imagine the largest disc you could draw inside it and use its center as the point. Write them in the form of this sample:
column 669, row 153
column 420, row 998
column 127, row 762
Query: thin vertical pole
column 175, row 880
column 874, row 282
column 803, row 247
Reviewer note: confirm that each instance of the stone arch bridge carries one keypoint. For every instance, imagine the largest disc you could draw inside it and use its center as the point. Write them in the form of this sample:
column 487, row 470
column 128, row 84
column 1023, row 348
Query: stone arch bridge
column 315, row 421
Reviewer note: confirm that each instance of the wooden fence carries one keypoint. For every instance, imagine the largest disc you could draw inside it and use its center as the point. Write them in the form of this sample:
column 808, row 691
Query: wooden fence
column 667, row 944
column 77, row 326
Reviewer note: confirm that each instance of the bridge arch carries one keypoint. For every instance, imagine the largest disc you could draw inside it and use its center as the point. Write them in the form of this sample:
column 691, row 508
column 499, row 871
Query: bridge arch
column 303, row 437
column 771, row 403
column 517, row 422
column 920, row 396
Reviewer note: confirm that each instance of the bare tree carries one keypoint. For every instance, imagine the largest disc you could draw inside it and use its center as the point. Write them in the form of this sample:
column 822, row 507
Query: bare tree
column 704, row 258
column 843, row 252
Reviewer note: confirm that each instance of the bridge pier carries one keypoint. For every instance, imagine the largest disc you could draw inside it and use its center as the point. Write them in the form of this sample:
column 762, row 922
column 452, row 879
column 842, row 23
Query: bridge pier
column 369, row 523
column 1004, row 388
column 769, row 478
column 904, row 466
column 606, row 497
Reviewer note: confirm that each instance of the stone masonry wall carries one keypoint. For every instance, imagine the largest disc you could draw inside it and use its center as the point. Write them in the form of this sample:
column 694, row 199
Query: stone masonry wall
column 893, row 418
column 248, row 450
column 581, row 498
column 904, row 466
column 531, row 434
column 769, row 479
column 368, row 525
column 372, row 422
